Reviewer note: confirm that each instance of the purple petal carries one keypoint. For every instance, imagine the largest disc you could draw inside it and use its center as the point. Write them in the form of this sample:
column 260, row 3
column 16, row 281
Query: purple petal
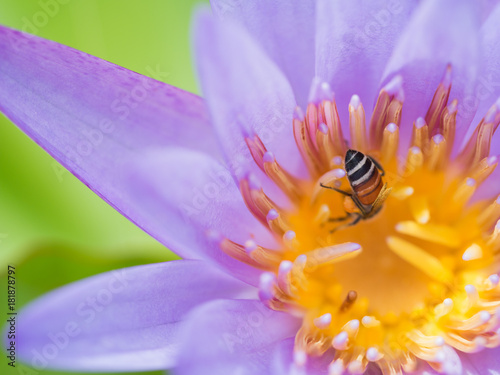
column 232, row 337
column 285, row 29
column 125, row 320
column 487, row 87
column 93, row 116
column 487, row 91
column 247, row 94
column 440, row 32
column 485, row 362
column 354, row 40
column 487, row 7
column 185, row 195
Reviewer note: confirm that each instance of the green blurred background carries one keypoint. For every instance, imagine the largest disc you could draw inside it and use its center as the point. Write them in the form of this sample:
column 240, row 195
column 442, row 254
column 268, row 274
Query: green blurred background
column 52, row 227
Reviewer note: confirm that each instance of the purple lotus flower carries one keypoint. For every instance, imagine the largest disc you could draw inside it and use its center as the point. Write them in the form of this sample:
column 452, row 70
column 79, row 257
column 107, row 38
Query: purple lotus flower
column 293, row 266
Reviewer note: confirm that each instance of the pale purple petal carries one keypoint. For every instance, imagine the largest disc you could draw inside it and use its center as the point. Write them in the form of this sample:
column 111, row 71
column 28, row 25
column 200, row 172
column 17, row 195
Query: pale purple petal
column 485, row 362
column 487, row 92
column 186, row 196
column 354, row 40
column 487, row 87
column 234, row 336
column 440, row 32
column 247, row 94
column 487, row 7
column 285, row 29
column 125, row 320
column 93, row 116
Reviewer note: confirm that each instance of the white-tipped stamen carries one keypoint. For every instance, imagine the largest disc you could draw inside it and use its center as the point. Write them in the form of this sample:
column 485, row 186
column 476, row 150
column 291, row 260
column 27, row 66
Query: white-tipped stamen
column 284, row 276
column 290, row 239
column 267, row 286
column 323, row 321
column 473, row 252
column 330, row 254
column 341, row 341
column 370, row 321
column 372, row 354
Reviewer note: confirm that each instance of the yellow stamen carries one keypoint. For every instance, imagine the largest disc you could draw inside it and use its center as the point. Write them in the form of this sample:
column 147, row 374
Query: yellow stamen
column 312, row 120
column 330, row 178
column 420, row 259
column 473, row 252
column 290, row 240
column 326, row 149
column 483, row 169
column 440, row 234
column 391, row 93
column 420, row 136
column 437, row 153
column 424, row 340
column 284, row 180
column 444, row 308
column 490, row 215
column 352, row 326
column 494, row 240
column 305, row 145
column 414, row 161
column 464, row 192
column 419, row 207
column 357, row 125
column 331, row 254
column 439, row 101
column 449, row 124
column 472, row 297
column 370, row 322
column 473, row 322
column 390, row 141
column 256, row 201
column 276, row 222
column 483, row 142
column 322, row 215
column 332, row 121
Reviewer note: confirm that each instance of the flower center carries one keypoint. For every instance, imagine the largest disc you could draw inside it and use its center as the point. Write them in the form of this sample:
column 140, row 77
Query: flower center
column 383, row 256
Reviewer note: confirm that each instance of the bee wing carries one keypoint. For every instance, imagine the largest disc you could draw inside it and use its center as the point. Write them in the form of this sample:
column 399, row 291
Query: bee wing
column 384, row 193
column 378, row 165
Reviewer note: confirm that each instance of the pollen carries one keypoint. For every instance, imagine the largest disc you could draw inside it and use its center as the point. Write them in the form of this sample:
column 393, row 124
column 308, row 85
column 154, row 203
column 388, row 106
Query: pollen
column 386, row 254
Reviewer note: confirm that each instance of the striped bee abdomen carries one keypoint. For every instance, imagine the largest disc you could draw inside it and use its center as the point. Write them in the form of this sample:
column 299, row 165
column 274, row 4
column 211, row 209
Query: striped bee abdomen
column 363, row 176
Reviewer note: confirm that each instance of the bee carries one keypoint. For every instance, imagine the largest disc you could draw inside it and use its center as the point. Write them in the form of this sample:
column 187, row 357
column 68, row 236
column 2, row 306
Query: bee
column 368, row 190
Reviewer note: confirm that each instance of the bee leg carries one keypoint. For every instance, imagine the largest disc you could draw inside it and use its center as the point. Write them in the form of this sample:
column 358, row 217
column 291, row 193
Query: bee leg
column 360, row 206
column 337, row 190
column 347, row 225
column 378, row 165
column 342, row 218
